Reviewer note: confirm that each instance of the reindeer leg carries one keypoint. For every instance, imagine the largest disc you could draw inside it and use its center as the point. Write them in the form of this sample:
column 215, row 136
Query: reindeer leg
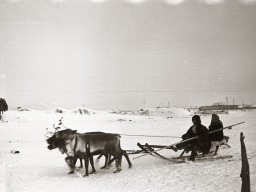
column 111, row 160
column 118, row 163
column 127, row 158
column 107, row 156
column 70, row 163
column 92, row 164
column 81, row 163
column 73, row 163
column 99, row 156
column 86, row 164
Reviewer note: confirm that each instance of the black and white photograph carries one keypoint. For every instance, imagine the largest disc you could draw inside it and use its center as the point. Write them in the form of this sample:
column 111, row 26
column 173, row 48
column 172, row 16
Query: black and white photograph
column 127, row 95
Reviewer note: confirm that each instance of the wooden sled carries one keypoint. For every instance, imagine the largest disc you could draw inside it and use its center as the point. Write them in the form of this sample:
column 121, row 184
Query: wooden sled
column 182, row 145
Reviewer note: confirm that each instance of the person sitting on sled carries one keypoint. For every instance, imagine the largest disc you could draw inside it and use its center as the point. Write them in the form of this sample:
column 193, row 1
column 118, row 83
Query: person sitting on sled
column 202, row 144
column 216, row 137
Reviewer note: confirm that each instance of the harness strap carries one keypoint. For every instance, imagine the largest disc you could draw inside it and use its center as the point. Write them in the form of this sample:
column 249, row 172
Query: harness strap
column 87, row 146
column 75, row 144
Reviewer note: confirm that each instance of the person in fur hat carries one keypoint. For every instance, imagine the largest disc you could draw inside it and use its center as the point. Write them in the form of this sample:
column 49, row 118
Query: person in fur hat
column 202, row 143
column 215, row 125
column 216, row 137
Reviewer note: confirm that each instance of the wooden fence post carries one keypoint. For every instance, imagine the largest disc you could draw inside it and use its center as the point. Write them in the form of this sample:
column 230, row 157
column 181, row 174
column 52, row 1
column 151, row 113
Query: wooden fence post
column 245, row 172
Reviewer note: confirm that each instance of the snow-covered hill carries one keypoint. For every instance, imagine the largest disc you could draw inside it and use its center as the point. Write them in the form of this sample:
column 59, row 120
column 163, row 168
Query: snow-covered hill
column 166, row 112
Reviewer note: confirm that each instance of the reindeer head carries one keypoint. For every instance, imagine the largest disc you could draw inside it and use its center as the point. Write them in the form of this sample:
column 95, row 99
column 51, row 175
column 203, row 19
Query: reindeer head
column 56, row 129
column 56, row 138
column 52, row 140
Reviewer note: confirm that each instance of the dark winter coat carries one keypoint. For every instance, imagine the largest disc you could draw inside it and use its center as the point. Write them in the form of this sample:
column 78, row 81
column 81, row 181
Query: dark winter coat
column 198, row 130
column 201, row 131
column 215, row 125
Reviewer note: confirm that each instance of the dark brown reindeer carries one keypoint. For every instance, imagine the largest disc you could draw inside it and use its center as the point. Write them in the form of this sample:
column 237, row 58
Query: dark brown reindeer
column 87, row 145
column 55, row 142
column 60, row 144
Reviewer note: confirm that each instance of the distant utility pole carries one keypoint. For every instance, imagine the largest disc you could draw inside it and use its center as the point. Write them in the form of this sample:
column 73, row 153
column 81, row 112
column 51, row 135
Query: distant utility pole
column 227, row 100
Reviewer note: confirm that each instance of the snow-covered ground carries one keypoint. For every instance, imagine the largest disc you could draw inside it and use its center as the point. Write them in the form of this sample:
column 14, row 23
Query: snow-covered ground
column 36, row 168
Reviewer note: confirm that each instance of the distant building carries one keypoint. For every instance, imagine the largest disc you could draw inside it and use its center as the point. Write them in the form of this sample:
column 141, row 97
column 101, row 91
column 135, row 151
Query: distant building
column 218, row 107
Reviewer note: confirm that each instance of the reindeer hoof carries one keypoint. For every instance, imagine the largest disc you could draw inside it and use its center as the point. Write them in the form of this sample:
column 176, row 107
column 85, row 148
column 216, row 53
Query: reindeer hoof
column 93, row 171
column 117, row 171
column 104, row 167
column 86, row 176
column 71, row 172
column 130, row 166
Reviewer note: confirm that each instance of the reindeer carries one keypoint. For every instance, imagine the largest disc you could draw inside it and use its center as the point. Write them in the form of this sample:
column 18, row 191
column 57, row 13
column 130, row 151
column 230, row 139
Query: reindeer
column 87, row 145
column 58, row 142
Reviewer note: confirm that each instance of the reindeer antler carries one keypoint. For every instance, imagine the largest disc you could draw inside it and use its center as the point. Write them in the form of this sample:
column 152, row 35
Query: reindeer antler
column 60, row 123
column 48, row 133
column 56, row 128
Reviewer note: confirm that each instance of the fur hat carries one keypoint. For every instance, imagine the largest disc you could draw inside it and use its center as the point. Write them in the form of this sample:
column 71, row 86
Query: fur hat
column 196, row 119
column 215, row 117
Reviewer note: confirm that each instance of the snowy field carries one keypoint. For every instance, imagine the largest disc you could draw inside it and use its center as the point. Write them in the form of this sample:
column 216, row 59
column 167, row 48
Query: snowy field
column 36, row 168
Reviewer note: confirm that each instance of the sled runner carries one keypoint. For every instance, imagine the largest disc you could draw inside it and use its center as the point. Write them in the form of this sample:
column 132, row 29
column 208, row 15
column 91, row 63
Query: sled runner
column 210, row 157
column 181, row 145
column 148, row 149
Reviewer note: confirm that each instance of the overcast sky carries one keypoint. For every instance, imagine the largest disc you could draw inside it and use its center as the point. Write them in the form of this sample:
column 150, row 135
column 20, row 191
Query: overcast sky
column 127, row 54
